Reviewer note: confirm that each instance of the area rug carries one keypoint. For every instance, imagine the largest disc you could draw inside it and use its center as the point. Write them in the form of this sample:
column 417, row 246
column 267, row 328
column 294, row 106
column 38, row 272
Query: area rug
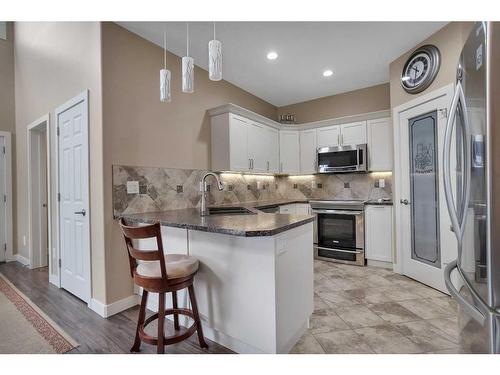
column 24, row 328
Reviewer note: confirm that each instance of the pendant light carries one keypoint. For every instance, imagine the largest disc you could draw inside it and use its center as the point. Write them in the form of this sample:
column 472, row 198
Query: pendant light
column 215, row 59
column 165, row 75
column 187, row 68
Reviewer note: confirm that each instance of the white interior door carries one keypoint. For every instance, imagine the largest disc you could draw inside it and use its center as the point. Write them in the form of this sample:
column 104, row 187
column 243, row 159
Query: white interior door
column 427, row 244
column 3, row 211
column 74, row 199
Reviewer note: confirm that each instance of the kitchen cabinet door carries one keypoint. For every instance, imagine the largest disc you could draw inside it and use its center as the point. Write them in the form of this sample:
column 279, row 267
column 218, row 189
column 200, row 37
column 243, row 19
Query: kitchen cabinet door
column 289, row 151
column 238, row 146
column 308, row 151
column 380, row 145
column 271, row 138
column 378, row 233
column 328, row 136
column 353, row 133
column 257, row 147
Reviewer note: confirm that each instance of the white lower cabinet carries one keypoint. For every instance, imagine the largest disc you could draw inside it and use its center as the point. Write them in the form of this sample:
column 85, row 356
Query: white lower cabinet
column 378, row 233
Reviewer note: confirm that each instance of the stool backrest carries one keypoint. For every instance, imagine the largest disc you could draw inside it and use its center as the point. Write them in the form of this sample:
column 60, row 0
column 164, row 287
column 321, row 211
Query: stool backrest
column 140, row 233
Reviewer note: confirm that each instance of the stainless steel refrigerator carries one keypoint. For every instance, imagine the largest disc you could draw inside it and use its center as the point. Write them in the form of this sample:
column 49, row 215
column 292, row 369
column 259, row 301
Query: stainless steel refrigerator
column 472, row 189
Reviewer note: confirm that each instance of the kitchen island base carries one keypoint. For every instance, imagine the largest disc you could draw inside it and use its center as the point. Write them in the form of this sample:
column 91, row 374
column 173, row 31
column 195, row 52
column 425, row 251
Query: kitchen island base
column 255, row 294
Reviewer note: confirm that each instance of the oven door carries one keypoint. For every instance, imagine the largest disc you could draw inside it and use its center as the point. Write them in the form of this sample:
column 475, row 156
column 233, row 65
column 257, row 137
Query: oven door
column 342, row 159
column 340, row 235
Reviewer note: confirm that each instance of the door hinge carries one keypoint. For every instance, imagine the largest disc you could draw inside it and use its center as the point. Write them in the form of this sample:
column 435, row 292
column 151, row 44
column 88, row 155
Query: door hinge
column 58, row 131
column 58, row 197
column 4, row 149
column 4, row 198
column 59, row 263
column 5, row 247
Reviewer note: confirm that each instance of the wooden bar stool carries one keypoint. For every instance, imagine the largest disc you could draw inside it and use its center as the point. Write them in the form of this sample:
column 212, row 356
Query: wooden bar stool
column 160, row 273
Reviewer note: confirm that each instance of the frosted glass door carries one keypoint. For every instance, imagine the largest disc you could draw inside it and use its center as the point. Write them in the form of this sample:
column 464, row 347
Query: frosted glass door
column 424, row 188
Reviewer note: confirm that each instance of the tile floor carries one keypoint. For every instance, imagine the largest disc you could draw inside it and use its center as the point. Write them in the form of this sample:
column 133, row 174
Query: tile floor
column 374, row 310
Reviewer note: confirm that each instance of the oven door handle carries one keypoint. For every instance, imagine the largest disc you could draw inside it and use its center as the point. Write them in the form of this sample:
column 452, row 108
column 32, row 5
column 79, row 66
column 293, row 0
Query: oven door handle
column 339, row 250
column 337, row 212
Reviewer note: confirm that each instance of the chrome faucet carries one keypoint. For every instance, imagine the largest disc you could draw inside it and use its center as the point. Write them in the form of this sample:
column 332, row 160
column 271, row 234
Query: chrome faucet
column 203, row 188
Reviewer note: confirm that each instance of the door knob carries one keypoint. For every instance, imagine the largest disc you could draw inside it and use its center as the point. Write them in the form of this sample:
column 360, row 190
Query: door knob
column 405, row 202
column 82, row 212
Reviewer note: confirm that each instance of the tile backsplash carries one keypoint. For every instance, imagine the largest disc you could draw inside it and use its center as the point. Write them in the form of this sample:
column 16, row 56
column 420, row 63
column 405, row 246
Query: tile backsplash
column 170, row 188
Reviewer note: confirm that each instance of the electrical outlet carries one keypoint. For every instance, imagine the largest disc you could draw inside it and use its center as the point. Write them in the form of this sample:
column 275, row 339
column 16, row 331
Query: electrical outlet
column 313, row 185
column 132, row 187
column 381, row 183
column 259, row 185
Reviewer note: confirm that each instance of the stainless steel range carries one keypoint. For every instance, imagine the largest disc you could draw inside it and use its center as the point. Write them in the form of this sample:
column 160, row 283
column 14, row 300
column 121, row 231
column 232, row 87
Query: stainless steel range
column 339, row 231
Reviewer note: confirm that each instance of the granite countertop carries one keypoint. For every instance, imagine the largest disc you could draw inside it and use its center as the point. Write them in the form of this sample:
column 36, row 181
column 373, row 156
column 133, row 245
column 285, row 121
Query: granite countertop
column 377, row 202
column 258, row 224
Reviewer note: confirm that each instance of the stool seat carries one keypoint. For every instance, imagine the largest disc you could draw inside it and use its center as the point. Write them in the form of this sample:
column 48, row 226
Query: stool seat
column 177, row 265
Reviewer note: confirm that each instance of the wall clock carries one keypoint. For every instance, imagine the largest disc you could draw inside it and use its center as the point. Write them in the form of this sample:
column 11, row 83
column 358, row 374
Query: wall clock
column 420, row 69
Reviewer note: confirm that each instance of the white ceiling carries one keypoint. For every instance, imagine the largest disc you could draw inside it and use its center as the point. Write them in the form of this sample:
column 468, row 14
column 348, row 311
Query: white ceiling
column 359, row 53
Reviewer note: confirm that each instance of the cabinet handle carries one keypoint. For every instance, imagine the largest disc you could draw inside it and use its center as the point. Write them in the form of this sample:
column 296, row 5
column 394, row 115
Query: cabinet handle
column 338, row 138
column 250, row 164
column 342, row 138
column 268, row 165
column 281, row 167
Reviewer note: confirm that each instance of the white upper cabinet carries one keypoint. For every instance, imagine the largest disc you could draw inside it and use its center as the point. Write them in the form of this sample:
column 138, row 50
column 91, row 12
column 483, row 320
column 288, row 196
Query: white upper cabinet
column 353, row 133
column 237, row 158
column 328, row 136
column 271, row 137
column 243, row 145
column 257, row 147
column 308, row 151
column 380, row 145
column 289, row 151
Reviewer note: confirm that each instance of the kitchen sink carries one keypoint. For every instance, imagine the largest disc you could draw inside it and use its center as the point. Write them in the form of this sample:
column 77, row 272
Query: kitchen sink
column 229, row 211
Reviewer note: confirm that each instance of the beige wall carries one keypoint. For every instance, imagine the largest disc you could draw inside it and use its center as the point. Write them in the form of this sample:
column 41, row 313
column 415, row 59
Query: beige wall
column 7, row 105
column 140, row 130
column 369, row 99
column 450, row 40
column 55, row 61
column 7, row 110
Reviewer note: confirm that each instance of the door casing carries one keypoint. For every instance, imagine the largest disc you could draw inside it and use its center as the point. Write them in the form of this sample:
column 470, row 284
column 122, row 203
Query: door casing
column 9, row 256
column 42, row 123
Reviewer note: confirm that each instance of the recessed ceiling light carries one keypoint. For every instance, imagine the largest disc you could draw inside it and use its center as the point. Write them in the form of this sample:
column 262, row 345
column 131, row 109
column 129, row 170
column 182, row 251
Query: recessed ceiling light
column 327, row 73
column 272, row 55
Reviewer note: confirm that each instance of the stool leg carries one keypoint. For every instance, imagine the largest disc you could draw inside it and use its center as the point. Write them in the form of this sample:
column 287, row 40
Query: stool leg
column 161, row 321
column 174, row 305
column 140, row 321
column 197, row 320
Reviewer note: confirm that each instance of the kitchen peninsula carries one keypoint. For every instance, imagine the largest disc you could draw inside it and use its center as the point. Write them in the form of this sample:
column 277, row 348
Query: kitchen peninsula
column 255, row 282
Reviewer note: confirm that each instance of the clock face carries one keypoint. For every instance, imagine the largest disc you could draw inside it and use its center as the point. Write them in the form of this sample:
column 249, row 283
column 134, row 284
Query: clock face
column 420, row 69
column 417, row 70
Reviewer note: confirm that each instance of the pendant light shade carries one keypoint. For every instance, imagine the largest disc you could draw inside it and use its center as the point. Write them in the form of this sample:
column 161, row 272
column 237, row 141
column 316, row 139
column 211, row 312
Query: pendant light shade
column 187, row 68
column 187, row 74
column 215, row 59
column 165, row 76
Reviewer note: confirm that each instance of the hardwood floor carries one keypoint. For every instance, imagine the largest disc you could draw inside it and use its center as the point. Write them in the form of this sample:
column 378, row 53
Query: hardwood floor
column 94, row 333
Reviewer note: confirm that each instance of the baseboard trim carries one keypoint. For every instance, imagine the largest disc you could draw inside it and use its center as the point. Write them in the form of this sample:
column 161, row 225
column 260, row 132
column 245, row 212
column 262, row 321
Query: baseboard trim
column 23, row 260
column 113, row 308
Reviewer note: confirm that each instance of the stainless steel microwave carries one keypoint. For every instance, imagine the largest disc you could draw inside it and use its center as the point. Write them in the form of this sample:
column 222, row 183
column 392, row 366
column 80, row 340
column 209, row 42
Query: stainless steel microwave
column 342, row 159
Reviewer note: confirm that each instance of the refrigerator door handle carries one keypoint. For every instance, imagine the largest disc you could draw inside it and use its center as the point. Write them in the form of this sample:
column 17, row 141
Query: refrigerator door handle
column 471, row 310
column 458, row 103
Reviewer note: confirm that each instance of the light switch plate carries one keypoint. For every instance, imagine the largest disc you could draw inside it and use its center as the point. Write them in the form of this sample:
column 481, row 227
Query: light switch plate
column 259, row 185
column 381, row 183
column 132, row 187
